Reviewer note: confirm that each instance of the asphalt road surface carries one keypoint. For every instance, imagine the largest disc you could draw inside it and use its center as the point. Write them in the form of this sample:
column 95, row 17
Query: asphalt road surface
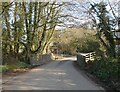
column 57, row 75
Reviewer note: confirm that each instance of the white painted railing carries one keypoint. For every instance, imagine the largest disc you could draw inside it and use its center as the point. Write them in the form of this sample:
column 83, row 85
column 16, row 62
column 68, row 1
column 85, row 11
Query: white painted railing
column 88, row 56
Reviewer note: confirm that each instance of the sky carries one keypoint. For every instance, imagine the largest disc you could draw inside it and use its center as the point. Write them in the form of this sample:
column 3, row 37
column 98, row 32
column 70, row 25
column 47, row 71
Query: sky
column 78, row 11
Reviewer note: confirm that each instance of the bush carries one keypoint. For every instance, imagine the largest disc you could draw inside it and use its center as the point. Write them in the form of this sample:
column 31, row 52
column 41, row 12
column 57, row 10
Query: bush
column 19, row 65
column 11, row 67
column 3, row 68
column 106, row 70
column 88, row 44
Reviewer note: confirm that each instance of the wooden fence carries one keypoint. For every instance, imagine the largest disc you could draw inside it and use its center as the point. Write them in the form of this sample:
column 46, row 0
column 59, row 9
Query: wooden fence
column 88, row 56
column 83, row 58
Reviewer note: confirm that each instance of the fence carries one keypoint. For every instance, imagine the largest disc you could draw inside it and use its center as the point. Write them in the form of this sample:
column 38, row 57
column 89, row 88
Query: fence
column 83, row 58
column 88, row 56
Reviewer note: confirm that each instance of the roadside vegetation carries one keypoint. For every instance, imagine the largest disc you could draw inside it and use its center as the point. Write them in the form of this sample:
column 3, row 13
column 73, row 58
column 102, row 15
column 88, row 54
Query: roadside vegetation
column 106, row 66
column 13, row 67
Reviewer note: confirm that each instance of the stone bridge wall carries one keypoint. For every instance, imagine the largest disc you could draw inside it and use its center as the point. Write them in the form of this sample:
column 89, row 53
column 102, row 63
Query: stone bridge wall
column 81, row 60
column 38, row 60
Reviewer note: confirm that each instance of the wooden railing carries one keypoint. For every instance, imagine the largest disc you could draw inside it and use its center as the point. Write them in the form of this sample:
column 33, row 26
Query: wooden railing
column 84, row 58
column 88, row 56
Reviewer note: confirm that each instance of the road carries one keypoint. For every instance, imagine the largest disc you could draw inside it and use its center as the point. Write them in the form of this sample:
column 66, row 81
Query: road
column 57, row 75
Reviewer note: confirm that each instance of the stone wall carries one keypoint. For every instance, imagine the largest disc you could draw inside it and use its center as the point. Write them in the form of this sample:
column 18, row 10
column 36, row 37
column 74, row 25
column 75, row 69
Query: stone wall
column 81, row 60
column 38, row 60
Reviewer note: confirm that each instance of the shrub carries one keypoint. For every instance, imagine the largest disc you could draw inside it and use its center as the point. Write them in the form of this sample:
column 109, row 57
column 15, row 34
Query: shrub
column 3, row 68
column 106, row 70
column 11, row 67
column 88, row 44
column 21, row 65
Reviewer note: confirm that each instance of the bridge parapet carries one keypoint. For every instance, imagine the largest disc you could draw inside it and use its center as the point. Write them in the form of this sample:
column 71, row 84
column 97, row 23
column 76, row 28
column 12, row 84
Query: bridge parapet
column 84, row 58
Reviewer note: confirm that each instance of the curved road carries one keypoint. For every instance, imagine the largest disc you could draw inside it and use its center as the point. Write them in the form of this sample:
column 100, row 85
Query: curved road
column 57, row 75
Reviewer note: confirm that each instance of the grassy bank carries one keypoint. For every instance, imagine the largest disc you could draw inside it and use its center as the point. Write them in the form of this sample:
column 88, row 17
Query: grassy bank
column 12, row 67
